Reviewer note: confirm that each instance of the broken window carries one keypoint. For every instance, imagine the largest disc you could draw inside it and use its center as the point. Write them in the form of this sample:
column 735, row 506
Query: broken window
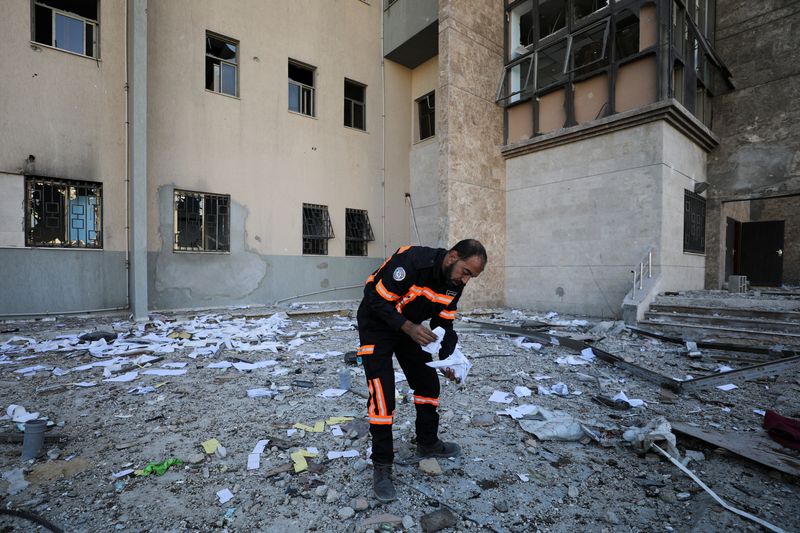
column 584, row 8
column 69, row 25
column 202, row 222
column 426, row 116
column 552, row 17
column 222, row 65
column 550, row 64
column 317, row 229
column 520, row 29
column 694, row 223
column 517, row 81
column 354, row 105
column 301, row 88
column 358, row 232
column 63, row 213
column 588, row 47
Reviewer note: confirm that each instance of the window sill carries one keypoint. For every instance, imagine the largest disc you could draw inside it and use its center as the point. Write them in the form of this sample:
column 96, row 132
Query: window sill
column 698, row 254
column 71, row 248
column 299, row 114
column 351, row 128
column 200, row 252
column 224, row 94
column 426, row 139
column 36, row 45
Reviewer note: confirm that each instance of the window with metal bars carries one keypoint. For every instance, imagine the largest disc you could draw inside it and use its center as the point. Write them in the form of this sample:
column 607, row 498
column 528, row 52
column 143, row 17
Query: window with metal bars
column 317, row 229
column 358, row 232
column 222, row 70
column 202, row 222
column 69, row 25
column 694, row 223
column 63, row 213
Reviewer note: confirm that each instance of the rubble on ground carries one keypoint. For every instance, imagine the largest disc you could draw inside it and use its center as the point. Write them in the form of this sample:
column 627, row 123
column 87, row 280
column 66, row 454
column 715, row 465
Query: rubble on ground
column 235, row 420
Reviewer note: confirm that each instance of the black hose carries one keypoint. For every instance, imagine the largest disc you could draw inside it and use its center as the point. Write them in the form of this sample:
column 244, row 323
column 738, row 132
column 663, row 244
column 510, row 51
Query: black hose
column 27, row 515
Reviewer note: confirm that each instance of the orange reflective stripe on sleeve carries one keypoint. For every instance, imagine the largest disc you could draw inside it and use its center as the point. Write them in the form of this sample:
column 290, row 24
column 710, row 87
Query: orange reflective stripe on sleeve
column 415, row 291
column 402, row 249
column 448, row 315
column 426, row 400
column 367, row 349
column 385, row 294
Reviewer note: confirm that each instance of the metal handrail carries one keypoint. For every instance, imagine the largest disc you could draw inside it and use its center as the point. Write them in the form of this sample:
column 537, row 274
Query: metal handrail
column 638, row 274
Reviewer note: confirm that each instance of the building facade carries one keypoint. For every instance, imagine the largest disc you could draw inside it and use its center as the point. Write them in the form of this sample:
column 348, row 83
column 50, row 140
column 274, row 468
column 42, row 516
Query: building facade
column 186, row 154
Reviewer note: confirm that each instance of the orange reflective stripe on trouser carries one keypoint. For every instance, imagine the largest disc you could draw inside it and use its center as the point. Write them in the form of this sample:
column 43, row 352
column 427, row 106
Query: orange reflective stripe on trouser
column 447, row 315
column 377, row 403
column 419, row 400
column 367, row 349
column 385, row 294
column 399, row 251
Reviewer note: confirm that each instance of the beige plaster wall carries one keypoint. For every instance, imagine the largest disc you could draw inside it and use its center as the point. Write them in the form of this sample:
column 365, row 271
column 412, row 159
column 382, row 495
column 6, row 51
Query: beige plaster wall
column 397, row 144
column 425, row 182
column 267, row 158
column 66, row 110
column 470, row 130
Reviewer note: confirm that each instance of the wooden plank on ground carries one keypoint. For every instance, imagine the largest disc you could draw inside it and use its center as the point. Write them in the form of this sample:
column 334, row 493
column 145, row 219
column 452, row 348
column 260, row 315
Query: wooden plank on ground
column 757, row 447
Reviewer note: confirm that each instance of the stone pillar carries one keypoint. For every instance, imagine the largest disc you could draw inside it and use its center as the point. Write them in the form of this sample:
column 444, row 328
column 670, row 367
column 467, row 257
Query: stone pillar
column 470, row 131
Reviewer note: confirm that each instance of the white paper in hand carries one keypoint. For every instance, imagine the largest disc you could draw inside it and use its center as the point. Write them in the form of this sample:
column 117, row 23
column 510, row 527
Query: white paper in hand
column 457, row 362
column 435, row 346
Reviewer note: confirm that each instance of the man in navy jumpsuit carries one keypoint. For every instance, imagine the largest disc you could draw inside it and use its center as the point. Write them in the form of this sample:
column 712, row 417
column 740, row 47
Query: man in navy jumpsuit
column 415, row 284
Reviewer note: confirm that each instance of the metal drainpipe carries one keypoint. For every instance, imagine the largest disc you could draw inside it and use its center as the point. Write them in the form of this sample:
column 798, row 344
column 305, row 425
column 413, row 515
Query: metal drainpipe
column 383, row 139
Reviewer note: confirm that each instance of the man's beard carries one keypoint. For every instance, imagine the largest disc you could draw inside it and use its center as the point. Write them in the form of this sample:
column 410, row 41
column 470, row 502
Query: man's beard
column 448, row 277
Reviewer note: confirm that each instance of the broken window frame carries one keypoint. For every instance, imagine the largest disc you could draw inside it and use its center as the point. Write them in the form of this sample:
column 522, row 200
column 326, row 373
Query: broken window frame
column 65, row 220
column 37, row 9
column 524, row 91
column 352, row 104
column 216, row 85
column 317, row 229
column 694, row 223
column 211, row 220
column 358, row 232
column 570, row 66
column 306, row 103
column 428, row 113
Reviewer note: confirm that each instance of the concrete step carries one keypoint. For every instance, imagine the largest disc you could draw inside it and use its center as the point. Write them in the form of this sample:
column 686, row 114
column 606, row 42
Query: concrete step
column 687, row 330
column 759, row 324
column 707, row 310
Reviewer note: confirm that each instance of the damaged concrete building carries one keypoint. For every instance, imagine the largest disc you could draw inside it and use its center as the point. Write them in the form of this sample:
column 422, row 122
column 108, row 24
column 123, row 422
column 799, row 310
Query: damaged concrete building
column 188, row 154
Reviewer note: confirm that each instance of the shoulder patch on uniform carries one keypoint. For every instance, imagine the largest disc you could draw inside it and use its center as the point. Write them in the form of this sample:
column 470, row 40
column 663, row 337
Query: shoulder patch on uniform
column 399, row 274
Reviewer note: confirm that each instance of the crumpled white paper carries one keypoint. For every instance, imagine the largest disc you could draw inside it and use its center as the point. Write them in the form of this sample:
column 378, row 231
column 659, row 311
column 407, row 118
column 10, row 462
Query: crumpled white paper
column 457, row 362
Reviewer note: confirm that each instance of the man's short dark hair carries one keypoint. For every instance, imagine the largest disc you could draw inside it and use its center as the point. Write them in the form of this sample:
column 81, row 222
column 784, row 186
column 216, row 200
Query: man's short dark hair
column 469, row 248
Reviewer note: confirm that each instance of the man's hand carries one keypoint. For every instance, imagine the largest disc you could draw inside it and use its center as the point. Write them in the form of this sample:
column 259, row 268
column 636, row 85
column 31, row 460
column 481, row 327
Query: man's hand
column 418, row 333
column 450, row 374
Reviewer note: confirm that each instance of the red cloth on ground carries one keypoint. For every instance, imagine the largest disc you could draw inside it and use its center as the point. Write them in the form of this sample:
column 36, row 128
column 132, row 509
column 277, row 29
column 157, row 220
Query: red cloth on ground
column 784, row 430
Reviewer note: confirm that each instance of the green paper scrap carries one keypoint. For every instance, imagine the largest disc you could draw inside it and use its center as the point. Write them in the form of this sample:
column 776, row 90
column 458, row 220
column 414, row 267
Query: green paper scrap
column 158, row 468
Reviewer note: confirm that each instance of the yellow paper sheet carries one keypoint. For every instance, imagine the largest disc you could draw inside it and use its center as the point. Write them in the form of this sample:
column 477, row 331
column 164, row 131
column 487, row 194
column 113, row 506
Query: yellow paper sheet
column 318, row 427
column 299, row 460
column 338, row 420
column 210, row 446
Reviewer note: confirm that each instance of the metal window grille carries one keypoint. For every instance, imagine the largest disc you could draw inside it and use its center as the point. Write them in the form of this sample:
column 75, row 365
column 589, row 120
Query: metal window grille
column 354, row 105
column 70, row 26
column 426, row 107
column 694, row 223
column 202, row 222
column 317, row 229
column 301, row 89
column 222, row 70
column 63, row 213
column 358, row 232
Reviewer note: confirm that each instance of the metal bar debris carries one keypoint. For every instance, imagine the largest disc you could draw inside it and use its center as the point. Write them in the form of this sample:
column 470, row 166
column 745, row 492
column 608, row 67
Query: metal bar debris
column 717, row 345
column 719, row 500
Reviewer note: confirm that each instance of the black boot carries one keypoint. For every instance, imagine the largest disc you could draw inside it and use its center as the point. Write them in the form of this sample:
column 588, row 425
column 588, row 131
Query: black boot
column 382, row 483
column 439, row 449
